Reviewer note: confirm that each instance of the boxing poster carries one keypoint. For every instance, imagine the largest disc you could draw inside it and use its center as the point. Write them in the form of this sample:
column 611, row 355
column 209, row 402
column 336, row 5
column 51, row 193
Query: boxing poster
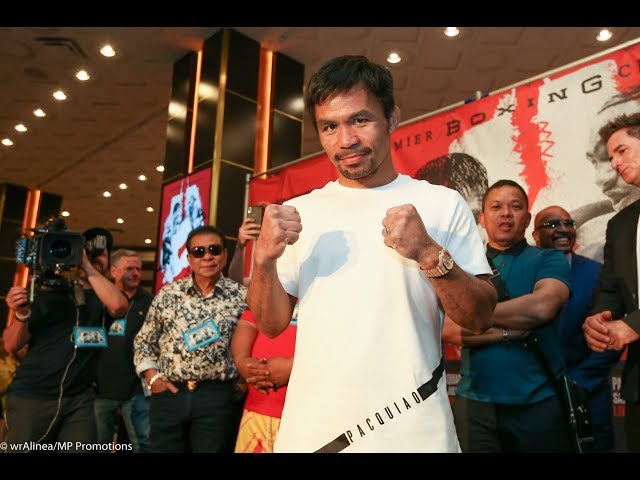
column 185, row 206
column 542, row 134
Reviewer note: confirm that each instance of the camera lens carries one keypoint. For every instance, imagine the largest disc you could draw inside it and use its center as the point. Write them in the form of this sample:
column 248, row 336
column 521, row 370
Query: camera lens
column 60, row 249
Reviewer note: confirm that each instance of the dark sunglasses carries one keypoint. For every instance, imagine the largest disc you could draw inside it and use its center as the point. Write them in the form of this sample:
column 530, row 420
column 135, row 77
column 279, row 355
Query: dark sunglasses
column 215, row 249
column 557, row 223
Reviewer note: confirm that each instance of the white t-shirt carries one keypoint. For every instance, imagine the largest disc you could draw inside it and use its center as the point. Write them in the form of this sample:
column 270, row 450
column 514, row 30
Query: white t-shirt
column 369, row 324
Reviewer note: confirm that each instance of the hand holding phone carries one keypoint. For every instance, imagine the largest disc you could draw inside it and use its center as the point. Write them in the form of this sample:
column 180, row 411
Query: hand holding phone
column 250, row 228
column 256, row 213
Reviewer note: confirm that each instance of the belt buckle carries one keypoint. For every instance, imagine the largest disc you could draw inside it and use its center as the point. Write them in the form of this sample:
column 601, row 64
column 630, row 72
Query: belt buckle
column 192, row 385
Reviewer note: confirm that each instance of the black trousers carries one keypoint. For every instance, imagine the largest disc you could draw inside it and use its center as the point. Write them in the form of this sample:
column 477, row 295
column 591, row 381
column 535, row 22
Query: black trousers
column 485, row 427
column 69, row 426
column 632, row 426
column 192, row 422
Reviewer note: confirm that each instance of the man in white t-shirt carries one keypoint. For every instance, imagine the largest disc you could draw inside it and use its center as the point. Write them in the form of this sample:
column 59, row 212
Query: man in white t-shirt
column 375, row 259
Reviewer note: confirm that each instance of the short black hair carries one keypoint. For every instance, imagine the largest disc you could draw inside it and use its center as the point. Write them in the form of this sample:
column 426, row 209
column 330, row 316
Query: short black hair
column 93, row 232
column 341, row 74
column 205, row 229
column 505, row 183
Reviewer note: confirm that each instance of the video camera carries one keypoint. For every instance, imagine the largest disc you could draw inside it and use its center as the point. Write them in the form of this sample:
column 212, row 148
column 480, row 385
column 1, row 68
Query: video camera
column 52, row 249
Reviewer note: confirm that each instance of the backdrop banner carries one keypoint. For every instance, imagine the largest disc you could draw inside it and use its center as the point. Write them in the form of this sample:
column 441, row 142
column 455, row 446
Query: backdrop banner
column 542, row 134
column 185, row 206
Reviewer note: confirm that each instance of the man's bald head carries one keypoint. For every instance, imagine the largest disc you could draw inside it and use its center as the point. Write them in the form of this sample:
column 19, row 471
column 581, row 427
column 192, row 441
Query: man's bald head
column 554, row 228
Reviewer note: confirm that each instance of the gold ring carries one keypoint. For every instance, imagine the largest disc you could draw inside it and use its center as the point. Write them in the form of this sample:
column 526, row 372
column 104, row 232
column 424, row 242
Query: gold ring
column 388, row 230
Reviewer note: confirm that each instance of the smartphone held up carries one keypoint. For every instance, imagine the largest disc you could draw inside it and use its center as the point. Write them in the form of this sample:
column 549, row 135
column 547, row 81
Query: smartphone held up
column 255, row 212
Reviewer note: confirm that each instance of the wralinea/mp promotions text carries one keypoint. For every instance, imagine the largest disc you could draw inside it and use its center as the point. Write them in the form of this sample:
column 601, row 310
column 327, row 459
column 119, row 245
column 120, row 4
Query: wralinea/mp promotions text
column 66, row 446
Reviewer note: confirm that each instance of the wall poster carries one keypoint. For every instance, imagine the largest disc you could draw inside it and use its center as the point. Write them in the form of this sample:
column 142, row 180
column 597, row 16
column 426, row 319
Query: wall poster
column 185, row 205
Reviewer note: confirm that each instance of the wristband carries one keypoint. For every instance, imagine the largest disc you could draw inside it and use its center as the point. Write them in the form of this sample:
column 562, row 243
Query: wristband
column 153, row 379
column 22, row 318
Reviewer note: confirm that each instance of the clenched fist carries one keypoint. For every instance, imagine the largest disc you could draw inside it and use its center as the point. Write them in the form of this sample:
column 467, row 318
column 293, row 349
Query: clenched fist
column 281, row 226
column 404, row 231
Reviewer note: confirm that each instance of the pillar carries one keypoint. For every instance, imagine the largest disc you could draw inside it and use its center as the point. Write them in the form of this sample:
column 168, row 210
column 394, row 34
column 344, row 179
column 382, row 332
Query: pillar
column 217, row 118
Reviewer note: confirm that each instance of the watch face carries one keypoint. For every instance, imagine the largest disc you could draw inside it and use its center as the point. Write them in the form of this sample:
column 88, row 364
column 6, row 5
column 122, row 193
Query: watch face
column 447, row 260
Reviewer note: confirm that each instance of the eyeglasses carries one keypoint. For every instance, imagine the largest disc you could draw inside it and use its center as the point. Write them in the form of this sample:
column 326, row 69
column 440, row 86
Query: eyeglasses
column 198, row 252
column 557, row 223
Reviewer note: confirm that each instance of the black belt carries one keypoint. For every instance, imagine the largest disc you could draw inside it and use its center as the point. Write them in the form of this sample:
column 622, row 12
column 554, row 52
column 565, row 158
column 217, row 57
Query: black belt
column 192, row 385
column 425, row 391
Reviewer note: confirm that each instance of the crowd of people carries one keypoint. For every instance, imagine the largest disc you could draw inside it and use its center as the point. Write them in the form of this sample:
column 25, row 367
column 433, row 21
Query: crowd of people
column 378, row 279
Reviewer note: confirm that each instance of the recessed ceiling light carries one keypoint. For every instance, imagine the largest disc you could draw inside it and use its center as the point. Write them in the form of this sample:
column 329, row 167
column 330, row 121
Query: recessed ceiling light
column 20, row 128
column 59, row 95
column 122, row 186
column 107, row 51
column 394, row 57
column 451, row 31
column 65, row 213
column 106, row 194
column 149, row 209
column 147, row 241
column 38, row 112
column 160, row 168
column 604, row 35
column 7, row 142
column 82, row 75
column 142, row 178
column 120, row 220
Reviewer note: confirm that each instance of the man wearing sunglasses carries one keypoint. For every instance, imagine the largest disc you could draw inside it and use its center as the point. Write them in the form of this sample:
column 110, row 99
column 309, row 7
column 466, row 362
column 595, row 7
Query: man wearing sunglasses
column 554, row 228
column 183, row 352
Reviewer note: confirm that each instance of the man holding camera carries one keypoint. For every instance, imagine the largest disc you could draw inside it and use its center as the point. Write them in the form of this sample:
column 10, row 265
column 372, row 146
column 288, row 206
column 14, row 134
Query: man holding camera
column 51, row 397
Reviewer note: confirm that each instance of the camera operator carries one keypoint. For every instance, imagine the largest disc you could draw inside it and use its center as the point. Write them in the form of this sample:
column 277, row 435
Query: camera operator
column 51, row 396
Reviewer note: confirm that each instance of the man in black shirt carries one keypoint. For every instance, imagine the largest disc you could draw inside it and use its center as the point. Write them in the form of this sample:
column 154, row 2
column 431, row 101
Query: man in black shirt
column 120, row 389
column 50, row 401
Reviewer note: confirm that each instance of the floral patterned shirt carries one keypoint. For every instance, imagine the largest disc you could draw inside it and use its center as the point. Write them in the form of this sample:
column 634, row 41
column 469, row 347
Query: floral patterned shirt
column 178, row 307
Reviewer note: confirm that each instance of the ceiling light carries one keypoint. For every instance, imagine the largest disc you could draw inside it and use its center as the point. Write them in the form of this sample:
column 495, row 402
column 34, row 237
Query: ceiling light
column 106, row 194
column 59, row 95
column 149, row 209
column 394, row 57
column 38, row 112
column 604, row 35
column 82, row 75
column 297, row 104
column 142, row 178
column 107, row 51
column 451, row 31
column 20, row 128
column 120, row 220
column 160, row 168
column 65, row 213
column 122, row 186
column 147, row 241
column 7, row 142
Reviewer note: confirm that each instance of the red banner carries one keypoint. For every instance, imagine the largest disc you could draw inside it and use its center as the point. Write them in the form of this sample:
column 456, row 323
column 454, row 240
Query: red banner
column 185, row 206
column 539, row 134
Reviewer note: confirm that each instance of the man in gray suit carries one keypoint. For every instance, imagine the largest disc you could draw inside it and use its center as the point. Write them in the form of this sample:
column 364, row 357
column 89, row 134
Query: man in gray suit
column 615, row 319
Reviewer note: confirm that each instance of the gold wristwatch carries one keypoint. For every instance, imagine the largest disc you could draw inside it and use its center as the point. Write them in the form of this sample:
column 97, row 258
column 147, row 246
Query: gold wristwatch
column 445, row 264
